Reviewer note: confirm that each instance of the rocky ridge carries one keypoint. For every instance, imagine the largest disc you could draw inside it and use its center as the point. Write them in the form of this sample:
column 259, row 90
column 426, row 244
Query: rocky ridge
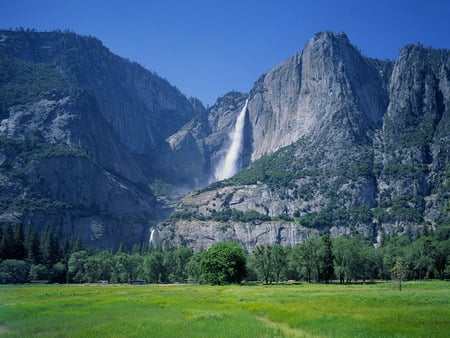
column 333, row 141
column 339, row 142
column 79, row 131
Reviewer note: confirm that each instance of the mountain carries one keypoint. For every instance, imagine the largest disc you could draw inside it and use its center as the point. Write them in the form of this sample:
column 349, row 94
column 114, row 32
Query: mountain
column 81, row 133
column 332, row 141
column 339, row 142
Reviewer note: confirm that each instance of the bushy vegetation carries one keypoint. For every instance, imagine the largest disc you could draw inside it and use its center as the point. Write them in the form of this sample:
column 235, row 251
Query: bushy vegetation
column 21, row 204
column 223, row 263
column 279, row 169
column 23, row 82
column 19, row 155
column 225, row 215
column 24, row 257
column 33, row 149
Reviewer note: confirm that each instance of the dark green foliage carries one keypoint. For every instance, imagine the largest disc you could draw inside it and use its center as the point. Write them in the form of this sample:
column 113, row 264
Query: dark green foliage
column 50, row 249
column 7, row 243
column 337, row 216
column 279, row 169
column 262, row 261
column 32, row 149
column 36, row 204
column 179, row 269
column 18, row 243
column 234, row 215
column 403, row 208
column 76, row 269
column 23, row 82
column 224, row 215
column 154, row 267
column 31, row 244
column 326, row 267
column 12, row 243
column 223, row 263
column 39, row 272
column 13, row 271
column 394, row 169
column 269, row 262
column 426, row 255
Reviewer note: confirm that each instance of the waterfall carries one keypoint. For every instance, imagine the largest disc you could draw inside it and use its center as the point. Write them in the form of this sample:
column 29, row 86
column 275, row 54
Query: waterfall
column 228, row 166
column 155, row 240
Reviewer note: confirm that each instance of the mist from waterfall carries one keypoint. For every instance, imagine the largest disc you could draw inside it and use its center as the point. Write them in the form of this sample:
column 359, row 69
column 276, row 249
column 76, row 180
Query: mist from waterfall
column 229, row 165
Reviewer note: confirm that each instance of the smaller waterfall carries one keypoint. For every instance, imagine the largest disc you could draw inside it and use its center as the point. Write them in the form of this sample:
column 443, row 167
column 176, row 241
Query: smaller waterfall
column 229, row 166
column 154, row 240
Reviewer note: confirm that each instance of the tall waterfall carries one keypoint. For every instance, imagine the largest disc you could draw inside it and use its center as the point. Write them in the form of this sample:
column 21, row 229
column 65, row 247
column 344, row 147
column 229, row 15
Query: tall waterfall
column 229, row 165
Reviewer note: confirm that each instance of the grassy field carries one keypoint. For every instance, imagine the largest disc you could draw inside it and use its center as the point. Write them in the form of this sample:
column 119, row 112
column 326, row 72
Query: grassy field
column 421, row 309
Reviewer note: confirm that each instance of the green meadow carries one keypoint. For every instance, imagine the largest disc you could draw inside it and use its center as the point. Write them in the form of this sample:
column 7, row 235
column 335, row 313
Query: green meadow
column 421, row 309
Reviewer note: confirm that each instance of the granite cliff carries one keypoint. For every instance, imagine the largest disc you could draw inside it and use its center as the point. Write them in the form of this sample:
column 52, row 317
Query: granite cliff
column 338, row 142
column 333, row 141
column 81, row 130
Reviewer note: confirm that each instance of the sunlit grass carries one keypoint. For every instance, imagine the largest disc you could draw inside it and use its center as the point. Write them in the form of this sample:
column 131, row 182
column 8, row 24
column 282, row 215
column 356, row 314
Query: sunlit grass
column 421, row 309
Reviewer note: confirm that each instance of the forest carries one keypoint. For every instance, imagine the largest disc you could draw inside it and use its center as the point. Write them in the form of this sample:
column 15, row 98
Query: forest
column 25, row 257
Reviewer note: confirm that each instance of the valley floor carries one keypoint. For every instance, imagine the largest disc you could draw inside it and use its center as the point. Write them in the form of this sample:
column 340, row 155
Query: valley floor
column 303, row 310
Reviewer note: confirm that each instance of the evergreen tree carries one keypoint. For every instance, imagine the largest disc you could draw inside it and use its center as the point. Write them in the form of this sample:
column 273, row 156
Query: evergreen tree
column 154, row 266
column 326, row 259
column 78, row 246
column 193, row 266
column 7, row 243
column 121, row 249
column 181, row 257
column 31, row 245
column 49, row 248
column 19, row 238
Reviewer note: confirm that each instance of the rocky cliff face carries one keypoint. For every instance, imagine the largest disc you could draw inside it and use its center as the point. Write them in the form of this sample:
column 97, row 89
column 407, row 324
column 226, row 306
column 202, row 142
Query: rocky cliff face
column 203, row 234
column 340, row 143
column 54, row 171
column 415, row 134
column 80, row 129
column 140, row 107
column 333, row 141
column 328, row 92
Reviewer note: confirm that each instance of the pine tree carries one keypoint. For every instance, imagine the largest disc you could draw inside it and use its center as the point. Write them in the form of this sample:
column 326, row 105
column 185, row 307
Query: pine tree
column 78, row 246
column 7, row 243
column 31, row 245
column 121, row 249
column 327, row 259
column 19, row 239
column 49, row 248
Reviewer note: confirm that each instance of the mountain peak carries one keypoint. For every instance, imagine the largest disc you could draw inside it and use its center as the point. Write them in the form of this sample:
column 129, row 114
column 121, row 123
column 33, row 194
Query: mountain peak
column 329, row 43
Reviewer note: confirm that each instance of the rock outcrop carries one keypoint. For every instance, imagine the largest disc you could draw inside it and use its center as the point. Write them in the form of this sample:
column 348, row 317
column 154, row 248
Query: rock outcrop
column 203, row 234
column 333, row 142
column 339, row 142
column 80, row 129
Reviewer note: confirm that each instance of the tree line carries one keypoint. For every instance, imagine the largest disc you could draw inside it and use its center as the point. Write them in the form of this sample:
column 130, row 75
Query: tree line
column 25, row 257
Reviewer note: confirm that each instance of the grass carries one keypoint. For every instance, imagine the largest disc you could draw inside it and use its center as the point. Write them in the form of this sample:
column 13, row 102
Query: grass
column 377, row 310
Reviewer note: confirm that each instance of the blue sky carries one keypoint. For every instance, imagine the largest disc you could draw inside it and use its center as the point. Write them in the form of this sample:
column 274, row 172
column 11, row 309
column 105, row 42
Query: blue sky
column 207, row 48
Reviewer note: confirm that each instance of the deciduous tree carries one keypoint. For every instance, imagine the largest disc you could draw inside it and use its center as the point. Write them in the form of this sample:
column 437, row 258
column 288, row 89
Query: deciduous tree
column 223, row 263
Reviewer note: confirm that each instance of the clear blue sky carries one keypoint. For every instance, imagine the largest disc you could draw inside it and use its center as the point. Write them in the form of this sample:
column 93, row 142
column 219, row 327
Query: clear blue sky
column 209, row 47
